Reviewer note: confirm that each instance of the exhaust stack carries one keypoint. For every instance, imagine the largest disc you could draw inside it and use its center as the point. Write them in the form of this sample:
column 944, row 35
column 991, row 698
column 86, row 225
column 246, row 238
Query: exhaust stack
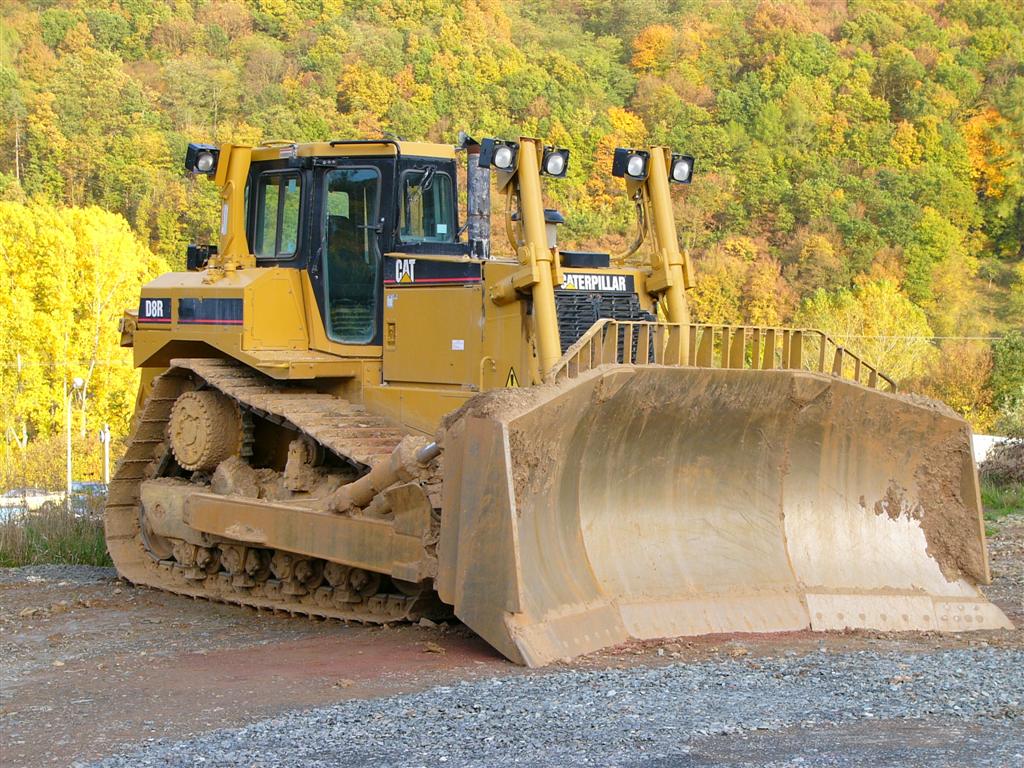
column 478, row 200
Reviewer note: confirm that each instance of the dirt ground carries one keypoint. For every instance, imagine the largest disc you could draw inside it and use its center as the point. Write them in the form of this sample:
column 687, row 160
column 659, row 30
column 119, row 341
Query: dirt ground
column 90, row 663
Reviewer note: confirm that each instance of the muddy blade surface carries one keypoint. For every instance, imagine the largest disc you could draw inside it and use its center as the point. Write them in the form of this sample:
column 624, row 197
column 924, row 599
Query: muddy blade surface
column 656, row 502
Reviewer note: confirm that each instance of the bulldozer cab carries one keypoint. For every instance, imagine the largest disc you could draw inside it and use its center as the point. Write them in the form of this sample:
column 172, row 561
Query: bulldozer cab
column 336, row 216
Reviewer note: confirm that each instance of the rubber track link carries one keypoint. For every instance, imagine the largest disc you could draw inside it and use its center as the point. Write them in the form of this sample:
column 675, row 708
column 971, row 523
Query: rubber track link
column 341, row 427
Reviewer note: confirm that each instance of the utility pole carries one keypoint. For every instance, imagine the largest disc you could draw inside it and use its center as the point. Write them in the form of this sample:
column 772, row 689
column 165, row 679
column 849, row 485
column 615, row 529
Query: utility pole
column 105, row 439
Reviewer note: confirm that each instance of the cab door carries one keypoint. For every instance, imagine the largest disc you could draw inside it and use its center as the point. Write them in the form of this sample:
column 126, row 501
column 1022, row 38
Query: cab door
column 345, row 268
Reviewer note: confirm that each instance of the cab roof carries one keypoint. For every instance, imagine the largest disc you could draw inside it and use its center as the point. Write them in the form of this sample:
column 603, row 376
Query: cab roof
column 352, row 148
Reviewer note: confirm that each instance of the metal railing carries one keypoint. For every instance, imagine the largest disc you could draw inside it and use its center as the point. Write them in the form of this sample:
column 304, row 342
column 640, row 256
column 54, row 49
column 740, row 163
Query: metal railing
column 610, row 342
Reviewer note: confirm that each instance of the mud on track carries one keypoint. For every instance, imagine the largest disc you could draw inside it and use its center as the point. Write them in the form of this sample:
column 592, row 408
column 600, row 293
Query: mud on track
column 91, row 666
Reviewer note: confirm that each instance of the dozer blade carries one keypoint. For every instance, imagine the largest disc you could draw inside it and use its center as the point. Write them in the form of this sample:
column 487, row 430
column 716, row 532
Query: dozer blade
column 649, row 502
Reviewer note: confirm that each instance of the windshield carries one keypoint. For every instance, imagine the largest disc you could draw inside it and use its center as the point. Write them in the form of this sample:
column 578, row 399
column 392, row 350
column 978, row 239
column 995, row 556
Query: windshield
column 427, row 215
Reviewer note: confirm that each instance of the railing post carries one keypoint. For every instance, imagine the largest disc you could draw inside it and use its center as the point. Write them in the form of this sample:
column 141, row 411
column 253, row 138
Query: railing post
column 837, row 363
column 796, row 350
column 739, row 350
column 610, row 343
column 659, row 344
column 705, row 348
column 643, row 348
column 768, row 361
column 672, row 352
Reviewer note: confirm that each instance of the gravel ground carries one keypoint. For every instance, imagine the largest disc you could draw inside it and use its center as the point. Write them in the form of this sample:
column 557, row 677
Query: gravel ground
column 93, row 667
column 61, row 614
column 66, row 574
column 668, row 715
column 1006, row 554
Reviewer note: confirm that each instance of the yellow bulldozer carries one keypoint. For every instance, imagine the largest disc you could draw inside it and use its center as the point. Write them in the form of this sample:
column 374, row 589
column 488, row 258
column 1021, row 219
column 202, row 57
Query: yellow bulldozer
column 350, row 407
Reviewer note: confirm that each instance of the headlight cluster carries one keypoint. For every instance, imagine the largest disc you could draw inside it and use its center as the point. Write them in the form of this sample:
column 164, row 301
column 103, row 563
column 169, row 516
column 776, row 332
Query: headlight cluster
column 504, row 156
column 635, row 164
column 201, row 158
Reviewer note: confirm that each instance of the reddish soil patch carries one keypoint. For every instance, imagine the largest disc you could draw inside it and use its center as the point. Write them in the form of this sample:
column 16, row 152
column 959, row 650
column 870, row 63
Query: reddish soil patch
column 115, row 669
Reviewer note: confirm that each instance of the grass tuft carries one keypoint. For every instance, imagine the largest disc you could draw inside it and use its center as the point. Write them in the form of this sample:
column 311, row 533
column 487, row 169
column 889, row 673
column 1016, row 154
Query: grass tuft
column 53, row 535
column 1000, row 500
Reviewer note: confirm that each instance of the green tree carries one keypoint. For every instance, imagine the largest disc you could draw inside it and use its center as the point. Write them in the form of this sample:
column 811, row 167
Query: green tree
column 960, row 376
column 862, row 141
column 1007, row 383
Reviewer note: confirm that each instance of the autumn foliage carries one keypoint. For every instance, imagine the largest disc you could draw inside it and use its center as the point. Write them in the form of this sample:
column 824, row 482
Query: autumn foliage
column 860, row 165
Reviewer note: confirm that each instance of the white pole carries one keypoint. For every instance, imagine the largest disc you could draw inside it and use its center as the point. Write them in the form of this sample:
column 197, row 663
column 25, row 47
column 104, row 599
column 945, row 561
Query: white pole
column 76, row 385
column 105, row 437
column 67, row 402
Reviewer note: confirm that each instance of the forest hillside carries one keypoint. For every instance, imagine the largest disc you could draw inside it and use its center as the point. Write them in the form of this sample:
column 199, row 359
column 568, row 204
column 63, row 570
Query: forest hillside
column 860, row 164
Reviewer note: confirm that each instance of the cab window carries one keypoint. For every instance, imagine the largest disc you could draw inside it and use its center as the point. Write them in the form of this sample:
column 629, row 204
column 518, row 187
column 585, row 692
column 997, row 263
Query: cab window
column 276, row 233
column 426, row 210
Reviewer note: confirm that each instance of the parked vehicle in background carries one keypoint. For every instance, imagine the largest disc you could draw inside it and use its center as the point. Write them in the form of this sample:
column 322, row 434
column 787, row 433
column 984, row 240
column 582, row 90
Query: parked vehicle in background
column 28, row 498
column 86, row 499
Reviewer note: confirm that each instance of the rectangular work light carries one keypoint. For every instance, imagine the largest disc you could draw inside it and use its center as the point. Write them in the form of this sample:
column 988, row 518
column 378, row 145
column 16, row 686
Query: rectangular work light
column 201, row 158
column 630, row 163
column 499, row 154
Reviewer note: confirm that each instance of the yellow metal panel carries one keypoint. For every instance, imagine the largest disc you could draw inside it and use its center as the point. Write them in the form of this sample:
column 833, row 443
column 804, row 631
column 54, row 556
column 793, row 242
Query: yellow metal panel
column 432, row 335
column 508, row 352
column 318, row 336
column 419, row 408
column 274, row 307
column 273, row 337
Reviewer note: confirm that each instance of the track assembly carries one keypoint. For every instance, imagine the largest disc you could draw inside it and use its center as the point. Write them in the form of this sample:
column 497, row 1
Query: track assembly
column 202, row 418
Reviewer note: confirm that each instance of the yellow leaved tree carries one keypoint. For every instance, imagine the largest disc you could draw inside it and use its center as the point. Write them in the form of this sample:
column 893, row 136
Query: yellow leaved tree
column 66, row 276
column 876, row 320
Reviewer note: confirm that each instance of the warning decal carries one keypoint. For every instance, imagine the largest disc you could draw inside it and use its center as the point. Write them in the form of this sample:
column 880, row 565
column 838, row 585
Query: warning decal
column 512, row 380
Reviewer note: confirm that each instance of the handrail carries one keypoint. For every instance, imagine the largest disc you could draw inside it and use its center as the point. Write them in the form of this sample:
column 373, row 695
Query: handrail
column 630, row 342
